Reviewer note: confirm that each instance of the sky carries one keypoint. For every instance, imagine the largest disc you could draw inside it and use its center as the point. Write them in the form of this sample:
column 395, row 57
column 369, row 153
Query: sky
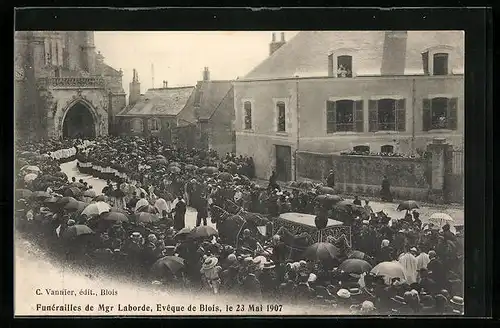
column 179, row 57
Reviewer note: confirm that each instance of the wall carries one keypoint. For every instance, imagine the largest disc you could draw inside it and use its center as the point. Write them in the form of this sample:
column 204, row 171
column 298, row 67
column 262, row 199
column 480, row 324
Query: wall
column 167, row 125
column 362, row 175
column 221, row 135
column 313, row 93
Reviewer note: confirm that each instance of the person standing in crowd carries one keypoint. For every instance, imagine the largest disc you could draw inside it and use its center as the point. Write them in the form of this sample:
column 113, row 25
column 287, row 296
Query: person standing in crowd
column 368, row 208
column 141, row 202
column 436, row 270
column 386, row 194
column 180, row 213
column 330, row 180
column 409, row 263
column 273, row 181
column 202, row 209
column 385, row 252
column 356, row 201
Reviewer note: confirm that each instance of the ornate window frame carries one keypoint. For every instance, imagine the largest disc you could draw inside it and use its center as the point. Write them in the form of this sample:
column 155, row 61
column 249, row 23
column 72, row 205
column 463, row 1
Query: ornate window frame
column 334, row 54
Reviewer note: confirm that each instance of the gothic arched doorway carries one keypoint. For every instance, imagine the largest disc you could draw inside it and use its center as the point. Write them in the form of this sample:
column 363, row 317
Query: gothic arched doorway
column 79, row 122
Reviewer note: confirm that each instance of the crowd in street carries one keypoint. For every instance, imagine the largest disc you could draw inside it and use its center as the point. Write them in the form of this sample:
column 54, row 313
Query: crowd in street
column 392, row 266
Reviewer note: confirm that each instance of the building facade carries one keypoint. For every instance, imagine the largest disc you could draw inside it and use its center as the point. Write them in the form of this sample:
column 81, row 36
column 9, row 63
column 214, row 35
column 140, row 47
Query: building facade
column 63, row 88
column 330, row 92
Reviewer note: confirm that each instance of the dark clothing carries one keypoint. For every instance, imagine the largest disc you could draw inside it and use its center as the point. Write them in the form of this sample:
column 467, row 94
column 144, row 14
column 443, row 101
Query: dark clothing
column 279, row 252
column 179, row 217
column 132, row 202
column 428, row 285
column 357, row 202
column 384, row 254
column 202, row 214
column 437, row 272
column 251, row 286
column 330, row 180
column 268, row 284
column 385, row 193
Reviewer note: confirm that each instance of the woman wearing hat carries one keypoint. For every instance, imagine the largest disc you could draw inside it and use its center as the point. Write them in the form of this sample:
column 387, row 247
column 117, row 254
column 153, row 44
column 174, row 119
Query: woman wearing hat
column 210, row 273
column 269, row 281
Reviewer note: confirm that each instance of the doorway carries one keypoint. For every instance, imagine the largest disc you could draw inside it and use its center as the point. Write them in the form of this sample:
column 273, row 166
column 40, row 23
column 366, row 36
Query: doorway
column 78, row 122
column 283, row 163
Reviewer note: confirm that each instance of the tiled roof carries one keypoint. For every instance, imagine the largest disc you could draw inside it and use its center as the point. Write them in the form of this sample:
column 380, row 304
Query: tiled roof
column 157, row 102
column 306, row 54
column 212, row 94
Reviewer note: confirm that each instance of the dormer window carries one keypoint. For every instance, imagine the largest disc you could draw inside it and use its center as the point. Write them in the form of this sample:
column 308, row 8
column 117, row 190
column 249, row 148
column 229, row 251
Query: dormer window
column 344, row 66
column 437, row 60
column 440, row 64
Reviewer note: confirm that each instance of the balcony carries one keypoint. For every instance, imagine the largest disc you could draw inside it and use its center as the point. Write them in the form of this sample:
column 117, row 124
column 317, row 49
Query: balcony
column 71, row 82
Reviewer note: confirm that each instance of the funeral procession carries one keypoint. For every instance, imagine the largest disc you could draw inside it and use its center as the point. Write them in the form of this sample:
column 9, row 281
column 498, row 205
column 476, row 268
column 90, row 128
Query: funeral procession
column 318, row 168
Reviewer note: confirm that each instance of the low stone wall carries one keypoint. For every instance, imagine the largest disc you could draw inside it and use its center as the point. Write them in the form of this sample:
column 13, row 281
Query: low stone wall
column 363, row 175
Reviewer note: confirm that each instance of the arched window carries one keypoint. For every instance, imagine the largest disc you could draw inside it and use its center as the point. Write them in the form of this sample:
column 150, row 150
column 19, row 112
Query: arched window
column 154, row 124
column 438, row 60
column 247, row 114
column 281, row 117
column 137, row 125
column 387, row 149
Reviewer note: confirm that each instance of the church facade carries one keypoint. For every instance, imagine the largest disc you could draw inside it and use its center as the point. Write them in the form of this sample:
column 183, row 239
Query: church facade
column 63, row 88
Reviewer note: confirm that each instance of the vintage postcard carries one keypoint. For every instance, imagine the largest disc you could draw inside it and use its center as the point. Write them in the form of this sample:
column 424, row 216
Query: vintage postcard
column 239, row 173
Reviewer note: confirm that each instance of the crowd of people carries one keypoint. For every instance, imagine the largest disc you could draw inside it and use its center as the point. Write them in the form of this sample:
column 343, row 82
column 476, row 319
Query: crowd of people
column 392, row 266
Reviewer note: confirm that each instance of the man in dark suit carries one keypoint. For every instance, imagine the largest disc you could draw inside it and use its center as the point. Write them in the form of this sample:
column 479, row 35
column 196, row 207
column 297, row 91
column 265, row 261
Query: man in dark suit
column 330, row 180
column 180, row 214
column 436, row 270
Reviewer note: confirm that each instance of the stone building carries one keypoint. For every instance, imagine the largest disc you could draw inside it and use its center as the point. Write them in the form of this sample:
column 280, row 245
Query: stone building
column 328, row 92
column 199, row 116
column 63, row 87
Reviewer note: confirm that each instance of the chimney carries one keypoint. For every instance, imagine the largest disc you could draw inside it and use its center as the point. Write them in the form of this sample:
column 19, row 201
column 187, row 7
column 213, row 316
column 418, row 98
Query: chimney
column 394, row 53
column 206, row 74
column 134, row 89
column 274, row 45
column 165, row 84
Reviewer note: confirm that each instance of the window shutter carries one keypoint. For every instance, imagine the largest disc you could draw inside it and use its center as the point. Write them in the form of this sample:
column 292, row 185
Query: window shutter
column 373, row 115
column 358, row 116
column 331, row 117
column 425, row 62
column 452, row 113
column 426, row 114
column 401, row 115
column 330, row 66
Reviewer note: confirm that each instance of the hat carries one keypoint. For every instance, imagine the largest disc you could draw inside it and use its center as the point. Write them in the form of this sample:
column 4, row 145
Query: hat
column 302, row 263
column 343, row 293
column 70, row 222
column 366, row 221
column 312, row 277
column 269, row 265
column 457, row 300
column 210, row 263
column 136, row 235
column 259, row 261
column 367, row 306
column 413, row 249
column 248, row 260
column 354, row 291
column 232, row 258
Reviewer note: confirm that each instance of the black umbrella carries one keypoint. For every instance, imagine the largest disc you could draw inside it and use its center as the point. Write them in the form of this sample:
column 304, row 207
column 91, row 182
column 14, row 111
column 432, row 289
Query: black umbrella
column 77, row 230
column 168, row 263
column 203, row 232
column 73, row 192
column 322, row 252
column 407, row 205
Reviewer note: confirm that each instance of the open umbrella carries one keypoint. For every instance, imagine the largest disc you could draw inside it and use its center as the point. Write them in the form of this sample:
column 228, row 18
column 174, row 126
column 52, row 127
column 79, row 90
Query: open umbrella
column 407, row 205
column 51, row 200
column 174, row 169
column 183, row 232
column 77, row 230
column 438, row 218
column 147, row 209
column 89, row 193
column 389, row 270
column 114, row 216
column 225, row 176
column 167, row 264
column 328, row 199
column 326, row 190
column 211, row 170
column 41, row 195
column 73, row 192
column 64, row 200
column 191, row 167
column 147, row 217
column 75, row 206
column 356, row 266
column 31, row 169
column 160, row 157
column 203, row 232
column 30, row 177
column 23, row 193
column 96, row 209
column 322, row 252
column 100, row 198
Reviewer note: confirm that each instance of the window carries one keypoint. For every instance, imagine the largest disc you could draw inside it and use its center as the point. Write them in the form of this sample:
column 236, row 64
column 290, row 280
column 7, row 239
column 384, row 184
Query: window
column 137, row 125
column 247, row 108
column 387, row 115
column 440, row 64
column 387, row 149
column 154, row 124
column 344, row 66
column 281, row 123
column 439, row 113
column 361, row 149
column 344, row 116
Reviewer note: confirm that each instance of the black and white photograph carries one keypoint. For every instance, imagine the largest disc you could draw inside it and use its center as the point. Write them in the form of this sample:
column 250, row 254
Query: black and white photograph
column 239, row 173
